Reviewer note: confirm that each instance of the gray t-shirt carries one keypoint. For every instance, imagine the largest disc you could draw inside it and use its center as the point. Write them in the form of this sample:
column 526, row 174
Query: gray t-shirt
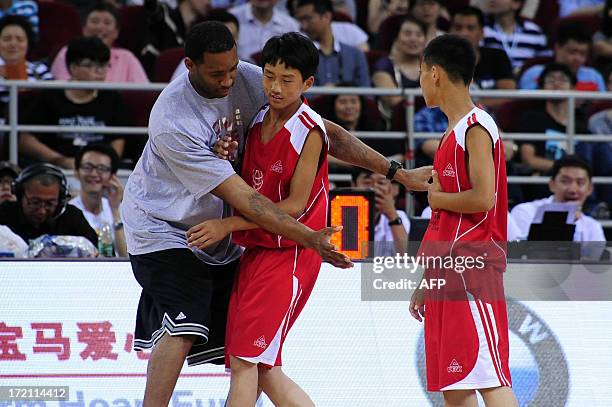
column 169, row 190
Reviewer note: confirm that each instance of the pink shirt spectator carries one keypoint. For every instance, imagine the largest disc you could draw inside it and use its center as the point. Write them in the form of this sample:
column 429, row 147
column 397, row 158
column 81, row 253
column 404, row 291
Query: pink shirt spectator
column 124, row 67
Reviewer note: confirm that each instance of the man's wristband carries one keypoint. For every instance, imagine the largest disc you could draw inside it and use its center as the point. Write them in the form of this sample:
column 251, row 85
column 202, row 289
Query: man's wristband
column 393, row 169
column 396, row 221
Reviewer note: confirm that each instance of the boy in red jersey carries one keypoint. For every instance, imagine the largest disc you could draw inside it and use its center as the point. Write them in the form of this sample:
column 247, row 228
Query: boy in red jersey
column 466, row 323
column 285, row 159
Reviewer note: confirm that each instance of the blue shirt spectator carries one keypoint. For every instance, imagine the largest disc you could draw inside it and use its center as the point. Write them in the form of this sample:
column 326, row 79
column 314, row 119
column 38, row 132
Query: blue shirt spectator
column 344, row 64
column 429, row 120
column 338, row 61
column 588, row 78
column 571, row 49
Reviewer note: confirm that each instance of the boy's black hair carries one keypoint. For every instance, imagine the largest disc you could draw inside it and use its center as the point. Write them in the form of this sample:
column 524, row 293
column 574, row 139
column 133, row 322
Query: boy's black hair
column 82, row 48
column 209, row 36
column 105, row 7
column 454, row 54
column 294, row 50
column 22, row 22
column 320, row 6
column 571, row 161
column 556, row 67
column 572, row 31
column 471, row 11
column 98, row 148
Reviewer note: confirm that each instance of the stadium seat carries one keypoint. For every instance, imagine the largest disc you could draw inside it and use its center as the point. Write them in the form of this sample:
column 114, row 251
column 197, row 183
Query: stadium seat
column 547, row 13
column 590, row 24
column 398, row 116
column 387, row 30
column 256, row 58
column 59, row 23
column 509, row 114
column 138, row 105
column 166, row 63
column 373, row 56
column 598, row 106
column 362, row 14
column 133, row 24
column 340, row 16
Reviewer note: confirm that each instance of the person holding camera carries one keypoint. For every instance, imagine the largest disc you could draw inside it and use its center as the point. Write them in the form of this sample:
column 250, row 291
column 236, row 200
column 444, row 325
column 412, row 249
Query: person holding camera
column 101, row 191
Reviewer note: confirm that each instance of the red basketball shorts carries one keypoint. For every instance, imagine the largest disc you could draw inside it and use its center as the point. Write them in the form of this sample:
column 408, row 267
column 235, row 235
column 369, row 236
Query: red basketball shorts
column 466, row 339
column 270, row 291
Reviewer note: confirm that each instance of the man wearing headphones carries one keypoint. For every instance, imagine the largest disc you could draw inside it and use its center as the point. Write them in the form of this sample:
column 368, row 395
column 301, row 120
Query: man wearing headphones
column 42, row 206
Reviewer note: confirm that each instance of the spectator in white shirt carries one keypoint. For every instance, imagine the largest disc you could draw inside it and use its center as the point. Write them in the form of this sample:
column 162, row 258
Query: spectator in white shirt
column 392, row 225
column 260, row 21
column 570, row 182
column 101, row 191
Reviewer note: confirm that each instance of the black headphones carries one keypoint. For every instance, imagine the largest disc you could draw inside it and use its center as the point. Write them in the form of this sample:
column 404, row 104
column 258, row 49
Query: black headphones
column 40, row 169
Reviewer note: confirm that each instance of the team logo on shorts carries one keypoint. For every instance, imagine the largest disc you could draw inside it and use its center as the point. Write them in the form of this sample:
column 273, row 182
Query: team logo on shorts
column 448, row 171
column 454, row 367
column 261, row 342
column 258, row 179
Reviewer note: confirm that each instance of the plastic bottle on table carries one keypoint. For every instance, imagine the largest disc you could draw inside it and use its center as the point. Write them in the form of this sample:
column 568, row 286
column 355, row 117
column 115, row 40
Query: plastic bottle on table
column 105, row 241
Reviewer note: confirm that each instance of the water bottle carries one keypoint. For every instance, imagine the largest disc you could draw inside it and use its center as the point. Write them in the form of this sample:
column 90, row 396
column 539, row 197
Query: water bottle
column 105, row 241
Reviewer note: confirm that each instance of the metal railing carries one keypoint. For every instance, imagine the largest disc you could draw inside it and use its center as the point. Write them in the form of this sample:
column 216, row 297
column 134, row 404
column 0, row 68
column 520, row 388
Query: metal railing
column 13, row 126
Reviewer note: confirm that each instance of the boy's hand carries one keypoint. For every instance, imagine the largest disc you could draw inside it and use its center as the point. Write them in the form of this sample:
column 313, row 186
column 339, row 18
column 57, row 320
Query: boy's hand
column 207, row 233
column 225, row 149
column 417, row 307
column 433, row 188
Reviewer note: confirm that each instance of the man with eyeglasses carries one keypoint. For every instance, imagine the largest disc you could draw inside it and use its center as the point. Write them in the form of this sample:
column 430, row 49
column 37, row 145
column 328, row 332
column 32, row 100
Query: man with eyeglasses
column 39, row 210
column 550, row 118
column 101, row 191
column 87, row 59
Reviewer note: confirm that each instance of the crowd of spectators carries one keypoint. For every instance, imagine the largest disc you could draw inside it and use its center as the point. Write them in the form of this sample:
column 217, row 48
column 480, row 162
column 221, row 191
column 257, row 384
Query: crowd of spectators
column 525, row 44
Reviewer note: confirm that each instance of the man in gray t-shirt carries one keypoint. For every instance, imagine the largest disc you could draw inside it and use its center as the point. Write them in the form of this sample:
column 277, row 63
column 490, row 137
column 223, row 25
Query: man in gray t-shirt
column 170, row 189
column 179, row 182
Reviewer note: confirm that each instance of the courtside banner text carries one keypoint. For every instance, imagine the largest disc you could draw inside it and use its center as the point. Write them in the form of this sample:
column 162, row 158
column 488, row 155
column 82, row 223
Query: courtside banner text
column 69, row 325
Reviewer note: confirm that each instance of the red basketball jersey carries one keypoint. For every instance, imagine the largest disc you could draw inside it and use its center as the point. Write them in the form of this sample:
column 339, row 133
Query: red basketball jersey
column 268, row 168
column 451, row 163
column 466, row 323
